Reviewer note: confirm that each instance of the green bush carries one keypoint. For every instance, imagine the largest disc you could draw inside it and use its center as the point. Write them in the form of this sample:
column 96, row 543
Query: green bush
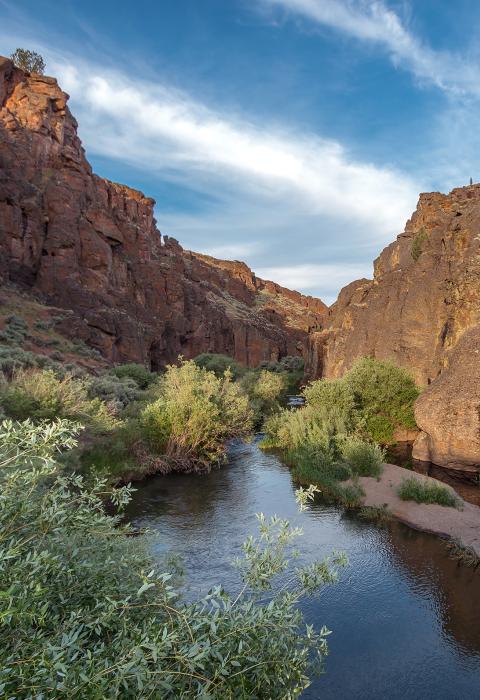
column 265, row 390
column 114, row 391
column 332, row 401
column 417, row 243
column 140, row 374
column 365, row 458
column 413, row 489
column 292, row 369
column 29, row 61
column 194, row 414
column 41, row 395
column 86, row 613
column 15, row 330
column 219, row 364
column 384, row 396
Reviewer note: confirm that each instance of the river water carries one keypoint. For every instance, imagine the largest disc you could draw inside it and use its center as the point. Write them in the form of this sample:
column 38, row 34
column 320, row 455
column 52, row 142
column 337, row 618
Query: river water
column 405, row 617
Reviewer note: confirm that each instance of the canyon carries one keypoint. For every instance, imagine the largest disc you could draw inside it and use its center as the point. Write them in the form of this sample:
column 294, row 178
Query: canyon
column 82, row 243
column 422, row 311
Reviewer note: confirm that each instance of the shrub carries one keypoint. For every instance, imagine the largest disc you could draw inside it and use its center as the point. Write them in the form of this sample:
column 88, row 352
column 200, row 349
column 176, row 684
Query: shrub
column 365, row 458
column 29, row 61
column 384, row 395
column 413, row 489
column 86, row 613
column 41, row 395
column 219, row 364
column 116, row 392
column 333, row 403
column 289, row 430
column 15, row 330
column 379, row 515
column 140, row 374
column 292, row 369
column 194, row 414
column 417, row 243
column 265, row 390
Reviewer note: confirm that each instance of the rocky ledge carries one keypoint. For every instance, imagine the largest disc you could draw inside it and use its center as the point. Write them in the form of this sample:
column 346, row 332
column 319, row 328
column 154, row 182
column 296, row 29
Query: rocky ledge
column 80, row 242
column 421, row 310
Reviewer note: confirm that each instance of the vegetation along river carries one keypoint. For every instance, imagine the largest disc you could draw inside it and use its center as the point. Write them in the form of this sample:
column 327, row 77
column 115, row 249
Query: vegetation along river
column 405, row 617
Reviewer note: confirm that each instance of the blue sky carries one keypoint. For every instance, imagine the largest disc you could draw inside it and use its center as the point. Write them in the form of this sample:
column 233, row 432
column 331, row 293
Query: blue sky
column 293, row 134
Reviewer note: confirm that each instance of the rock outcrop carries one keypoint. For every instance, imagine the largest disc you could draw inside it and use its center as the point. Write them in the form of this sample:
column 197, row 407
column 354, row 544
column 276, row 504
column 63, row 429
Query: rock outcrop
column 84, row 243
column 421, row 310
column 448, row 411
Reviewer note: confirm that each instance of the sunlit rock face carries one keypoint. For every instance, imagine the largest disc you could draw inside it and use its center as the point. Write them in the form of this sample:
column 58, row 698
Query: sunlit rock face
column 91, row 245
column 423, row 302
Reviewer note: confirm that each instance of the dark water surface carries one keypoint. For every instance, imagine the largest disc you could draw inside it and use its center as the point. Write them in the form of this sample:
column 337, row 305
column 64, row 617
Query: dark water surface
column 405, row 617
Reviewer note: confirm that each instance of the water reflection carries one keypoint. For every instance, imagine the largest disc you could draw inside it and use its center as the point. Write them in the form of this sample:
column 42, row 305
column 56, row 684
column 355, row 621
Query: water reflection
column 405, row 617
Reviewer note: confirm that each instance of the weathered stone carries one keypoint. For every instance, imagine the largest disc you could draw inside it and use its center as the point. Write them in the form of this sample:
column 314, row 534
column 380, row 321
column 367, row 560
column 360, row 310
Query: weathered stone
column 423, row 302
column 91, row 245
column 448, row 411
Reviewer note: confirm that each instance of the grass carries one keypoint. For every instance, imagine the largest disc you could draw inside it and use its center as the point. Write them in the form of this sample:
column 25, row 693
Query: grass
column 413, row 489
column 464, row 555
column 311, row 466
column 379, row 515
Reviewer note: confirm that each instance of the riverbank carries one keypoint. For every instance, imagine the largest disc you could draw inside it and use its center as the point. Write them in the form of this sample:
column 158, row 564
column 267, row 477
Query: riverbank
column 460, row 524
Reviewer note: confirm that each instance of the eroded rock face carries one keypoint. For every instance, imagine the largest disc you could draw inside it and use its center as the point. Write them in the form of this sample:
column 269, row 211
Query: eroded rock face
column 425, row 294
column 421, row 310
column 90, row 245
column 448, row 411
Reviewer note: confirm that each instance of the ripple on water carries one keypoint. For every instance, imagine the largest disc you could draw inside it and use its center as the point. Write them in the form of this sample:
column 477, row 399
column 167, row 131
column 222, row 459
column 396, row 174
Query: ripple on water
column 405, row 617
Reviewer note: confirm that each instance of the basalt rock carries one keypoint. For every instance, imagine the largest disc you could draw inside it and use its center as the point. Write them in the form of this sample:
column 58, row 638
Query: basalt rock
column 84, row 243
column 448, row 411
column 421, row 310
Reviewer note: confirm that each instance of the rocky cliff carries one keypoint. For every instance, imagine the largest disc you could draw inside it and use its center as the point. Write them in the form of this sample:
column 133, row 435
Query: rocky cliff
column 81, row 242
column 421, row 310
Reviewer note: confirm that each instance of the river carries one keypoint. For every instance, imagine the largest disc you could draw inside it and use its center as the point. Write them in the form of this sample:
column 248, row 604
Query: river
column 405, row 617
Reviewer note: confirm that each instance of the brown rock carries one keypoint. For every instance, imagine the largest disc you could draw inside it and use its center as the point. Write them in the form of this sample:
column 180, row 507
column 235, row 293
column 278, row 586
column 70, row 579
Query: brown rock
column 448, row 412
column 423, row 303
column 413, row 311
column 87, row 244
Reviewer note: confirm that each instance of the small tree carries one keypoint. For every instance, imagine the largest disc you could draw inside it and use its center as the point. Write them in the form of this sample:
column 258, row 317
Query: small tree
column 29, row 61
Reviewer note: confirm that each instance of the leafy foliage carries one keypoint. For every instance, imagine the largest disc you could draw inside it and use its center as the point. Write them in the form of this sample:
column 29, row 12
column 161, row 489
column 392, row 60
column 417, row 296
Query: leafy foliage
column 14, row 331
column 85, row 613
column 29, row 61
column 265, row 390
column 413, row 489
column 194, row 414
column 219, row 364
column 418, row 242
column 140, row 374
column 41, row 395
column 384, row 396
column 116, row 392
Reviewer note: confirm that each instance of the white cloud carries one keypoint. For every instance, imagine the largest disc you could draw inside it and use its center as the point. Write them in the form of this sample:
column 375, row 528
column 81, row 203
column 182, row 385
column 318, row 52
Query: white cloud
column 265, row 193
column 374, row 21
column 324, row 279
column 160, row 129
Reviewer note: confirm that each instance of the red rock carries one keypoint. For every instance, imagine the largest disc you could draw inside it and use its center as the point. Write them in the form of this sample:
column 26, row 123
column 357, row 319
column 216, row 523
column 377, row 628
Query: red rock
column 87, row 244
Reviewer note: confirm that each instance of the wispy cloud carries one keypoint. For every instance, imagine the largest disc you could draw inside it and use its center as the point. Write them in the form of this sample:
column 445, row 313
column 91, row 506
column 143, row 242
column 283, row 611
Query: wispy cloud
column 271, row 194
column 374, row 21
column 155, row 127
column 323, row 278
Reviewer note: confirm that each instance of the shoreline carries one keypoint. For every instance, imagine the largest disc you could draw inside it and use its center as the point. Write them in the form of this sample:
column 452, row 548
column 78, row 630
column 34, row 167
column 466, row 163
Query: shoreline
column 459, row 524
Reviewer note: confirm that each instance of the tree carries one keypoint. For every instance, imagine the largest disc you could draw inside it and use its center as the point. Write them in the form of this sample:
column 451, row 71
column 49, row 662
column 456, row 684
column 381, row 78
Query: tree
column 29, row 61
column 86, row 613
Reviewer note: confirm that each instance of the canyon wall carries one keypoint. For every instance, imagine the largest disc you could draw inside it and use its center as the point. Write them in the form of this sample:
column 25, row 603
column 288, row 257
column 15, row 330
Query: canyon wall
column 421, row 310
column 84, row 243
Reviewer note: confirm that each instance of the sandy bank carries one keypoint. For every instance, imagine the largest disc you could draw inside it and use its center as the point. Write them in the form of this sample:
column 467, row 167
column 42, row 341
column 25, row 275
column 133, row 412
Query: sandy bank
column 461, row 524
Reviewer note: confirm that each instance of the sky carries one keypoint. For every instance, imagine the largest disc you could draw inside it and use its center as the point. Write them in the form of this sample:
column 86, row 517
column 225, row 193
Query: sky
column 295, row 135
